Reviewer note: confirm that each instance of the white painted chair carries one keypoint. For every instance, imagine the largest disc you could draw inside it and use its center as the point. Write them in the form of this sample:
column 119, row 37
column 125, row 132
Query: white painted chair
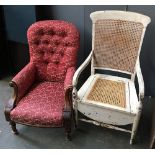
column 112, row 101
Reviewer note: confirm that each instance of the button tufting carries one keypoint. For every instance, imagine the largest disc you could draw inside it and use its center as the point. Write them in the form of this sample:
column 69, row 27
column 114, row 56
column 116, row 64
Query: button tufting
column 62, row 33
column 56, row 62
column 40, row 51
column 66, row 43
column 46, row 61
column 52, row 51
column 51, row 32
column 36, row 42
column 45, row 41
column 40, row 32
column 62, row 54
column 57, row 42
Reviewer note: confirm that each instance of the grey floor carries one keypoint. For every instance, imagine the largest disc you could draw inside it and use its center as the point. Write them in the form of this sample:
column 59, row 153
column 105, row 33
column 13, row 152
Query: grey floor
column 86, row 136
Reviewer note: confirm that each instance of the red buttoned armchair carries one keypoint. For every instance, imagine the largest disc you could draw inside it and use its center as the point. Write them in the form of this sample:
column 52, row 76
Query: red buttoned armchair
column 42, row 89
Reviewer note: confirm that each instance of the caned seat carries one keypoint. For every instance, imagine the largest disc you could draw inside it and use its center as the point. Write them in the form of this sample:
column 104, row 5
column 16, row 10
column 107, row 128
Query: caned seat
column 107, row 92
column 117, row 93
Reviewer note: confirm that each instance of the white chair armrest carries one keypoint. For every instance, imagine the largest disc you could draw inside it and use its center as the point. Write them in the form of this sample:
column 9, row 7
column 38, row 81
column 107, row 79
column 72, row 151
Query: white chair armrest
column 140, row 81
column 80, row 69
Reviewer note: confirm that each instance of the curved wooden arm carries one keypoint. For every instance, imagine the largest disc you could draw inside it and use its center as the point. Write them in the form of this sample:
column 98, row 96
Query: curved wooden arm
column 15, row 88
column 69, row 77
column 67, row 111
column 12, row 102
column 68, row 99
column 80, row 69
column 140, row 82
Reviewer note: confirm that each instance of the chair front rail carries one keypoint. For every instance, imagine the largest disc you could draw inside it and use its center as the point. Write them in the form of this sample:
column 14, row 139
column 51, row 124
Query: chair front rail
column 105, row 125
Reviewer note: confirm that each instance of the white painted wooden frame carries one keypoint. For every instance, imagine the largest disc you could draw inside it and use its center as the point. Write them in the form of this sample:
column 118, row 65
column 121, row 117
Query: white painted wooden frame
column 121, row 15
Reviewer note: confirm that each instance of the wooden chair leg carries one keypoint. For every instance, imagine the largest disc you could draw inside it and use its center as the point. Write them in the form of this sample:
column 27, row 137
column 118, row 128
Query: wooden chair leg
column 135, row 127
column 13, row 127
column 67, row 115
column 76, row 115
column 74, row 120
column 68, row 135
column 68, row 130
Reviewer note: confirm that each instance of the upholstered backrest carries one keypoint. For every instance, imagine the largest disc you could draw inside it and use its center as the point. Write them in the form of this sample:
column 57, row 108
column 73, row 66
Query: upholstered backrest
column 53, row 46
column 117, row 39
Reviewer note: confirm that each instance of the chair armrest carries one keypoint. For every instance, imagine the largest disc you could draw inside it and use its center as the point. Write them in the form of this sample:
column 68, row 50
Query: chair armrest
column 140, row 82
column 68, row 88
column 23, row 80
column 68, row 99
column 68, row 109
column 80, row 69
column 69, row 77
column 9, row 105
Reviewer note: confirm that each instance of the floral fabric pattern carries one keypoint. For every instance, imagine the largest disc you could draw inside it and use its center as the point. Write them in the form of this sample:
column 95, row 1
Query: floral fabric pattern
column 42, row 106
column 69, row 77
column 24, row 79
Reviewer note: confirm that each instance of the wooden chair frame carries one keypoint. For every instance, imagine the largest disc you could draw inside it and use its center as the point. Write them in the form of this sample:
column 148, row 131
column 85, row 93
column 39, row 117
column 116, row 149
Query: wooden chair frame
column 129, row 16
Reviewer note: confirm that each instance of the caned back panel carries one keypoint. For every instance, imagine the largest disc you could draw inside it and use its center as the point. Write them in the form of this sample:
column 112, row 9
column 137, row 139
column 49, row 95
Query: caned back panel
column 116, row 44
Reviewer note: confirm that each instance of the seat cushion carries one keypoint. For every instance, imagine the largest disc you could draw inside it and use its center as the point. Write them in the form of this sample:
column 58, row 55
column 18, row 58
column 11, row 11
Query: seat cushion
column 42, row 106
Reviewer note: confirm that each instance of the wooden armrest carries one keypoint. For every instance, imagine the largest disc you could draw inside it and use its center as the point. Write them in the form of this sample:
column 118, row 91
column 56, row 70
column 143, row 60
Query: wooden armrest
column 67, row 111
column 140, row 82
column 68, row 99
column 12, row 102
column 7, row 109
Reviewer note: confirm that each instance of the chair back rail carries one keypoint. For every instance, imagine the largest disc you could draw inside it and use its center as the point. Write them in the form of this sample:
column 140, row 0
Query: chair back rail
column 117, row 38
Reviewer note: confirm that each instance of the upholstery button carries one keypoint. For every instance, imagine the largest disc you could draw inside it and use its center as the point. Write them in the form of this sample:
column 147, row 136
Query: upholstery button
column 45, row 61
column 40, row 51
column 62, row 53
column 40, row 32
column 45, row 42
column 57, row 42
column 62, row 33
column 51, row 32
column 56, row 62
column 52, row 51
column 36, row 42
column 66, row 44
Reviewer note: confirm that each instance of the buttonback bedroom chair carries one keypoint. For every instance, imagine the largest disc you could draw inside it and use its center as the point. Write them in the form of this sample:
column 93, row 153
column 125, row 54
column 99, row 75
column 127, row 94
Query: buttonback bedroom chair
column 108, row 100
column 42, row 88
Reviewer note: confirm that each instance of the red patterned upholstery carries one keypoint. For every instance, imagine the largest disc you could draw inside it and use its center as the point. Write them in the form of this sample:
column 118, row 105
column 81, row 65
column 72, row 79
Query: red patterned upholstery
column 42, row 106
column 53, row 48
column 41, row 84
column 69, row 77
column 24, row 79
